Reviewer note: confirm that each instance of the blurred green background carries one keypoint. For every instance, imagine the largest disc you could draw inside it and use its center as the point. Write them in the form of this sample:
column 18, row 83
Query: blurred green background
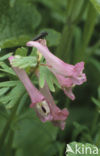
column 73, row 28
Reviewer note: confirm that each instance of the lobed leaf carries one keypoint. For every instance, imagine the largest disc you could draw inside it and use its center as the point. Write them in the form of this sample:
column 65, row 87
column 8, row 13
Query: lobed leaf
column 46, row 75
column 24, row 62
column 96, row 4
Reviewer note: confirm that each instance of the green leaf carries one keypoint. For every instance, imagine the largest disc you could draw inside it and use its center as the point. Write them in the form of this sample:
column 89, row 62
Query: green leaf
column 17, row 23
column 9, row 83
column 24, row 62
column 88, row 30
column 96, row 102
column 15, row 94
column 12, row 2
column 5, row 57
column 14, row 41
column 31, row 131
column 77, row 44
column 3, row 117
column 78, row 130
column 74, row 9
column 2, row 75
column 55, row 9
column 5, row 68
column 96, row 4
column 95, row 63
column 99, row 93
column 21, row 51
column 83, row 149
column 11, row 98
column 46, row 75
column 54, row 5
column 3, row 90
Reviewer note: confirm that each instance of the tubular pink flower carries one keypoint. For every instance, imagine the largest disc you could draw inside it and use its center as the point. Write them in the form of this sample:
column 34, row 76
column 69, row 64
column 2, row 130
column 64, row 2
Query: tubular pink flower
column 38, row 101
column 43, row 104
column 31, row 90
column 68, row 75
column 59, row 116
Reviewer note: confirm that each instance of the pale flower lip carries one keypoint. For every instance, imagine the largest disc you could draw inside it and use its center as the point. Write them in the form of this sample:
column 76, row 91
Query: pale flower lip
column 42, row 101
column 59, row 116
column 67, row 75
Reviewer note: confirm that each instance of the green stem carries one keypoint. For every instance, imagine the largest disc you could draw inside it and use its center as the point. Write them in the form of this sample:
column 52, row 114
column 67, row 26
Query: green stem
column 88, row 30
column 98, row 141
column 81, row 12
column 6, row 128
column 9, row 144
column 64, row 49
column 94, row 124
column 9, row 122
column 67, row 34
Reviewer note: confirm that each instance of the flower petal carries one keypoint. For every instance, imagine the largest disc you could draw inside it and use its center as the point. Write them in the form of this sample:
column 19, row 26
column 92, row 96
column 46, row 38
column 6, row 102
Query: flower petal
column 59, row 116
column 56, row 64
column 43, row 105
column 33, row 92
column 67, row 75
column 69, row 93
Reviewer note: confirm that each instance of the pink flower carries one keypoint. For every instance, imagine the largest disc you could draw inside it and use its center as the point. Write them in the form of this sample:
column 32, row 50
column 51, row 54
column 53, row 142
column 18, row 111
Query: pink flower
column 42, row 101
column 59, row 116
column 67, row 75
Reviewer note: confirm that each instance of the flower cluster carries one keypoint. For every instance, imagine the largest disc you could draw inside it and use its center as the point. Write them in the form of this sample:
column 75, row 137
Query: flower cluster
column 67, row 75
column 41, row 100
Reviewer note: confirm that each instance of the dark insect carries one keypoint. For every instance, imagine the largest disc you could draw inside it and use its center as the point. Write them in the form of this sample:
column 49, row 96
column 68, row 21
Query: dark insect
column 40, row 36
